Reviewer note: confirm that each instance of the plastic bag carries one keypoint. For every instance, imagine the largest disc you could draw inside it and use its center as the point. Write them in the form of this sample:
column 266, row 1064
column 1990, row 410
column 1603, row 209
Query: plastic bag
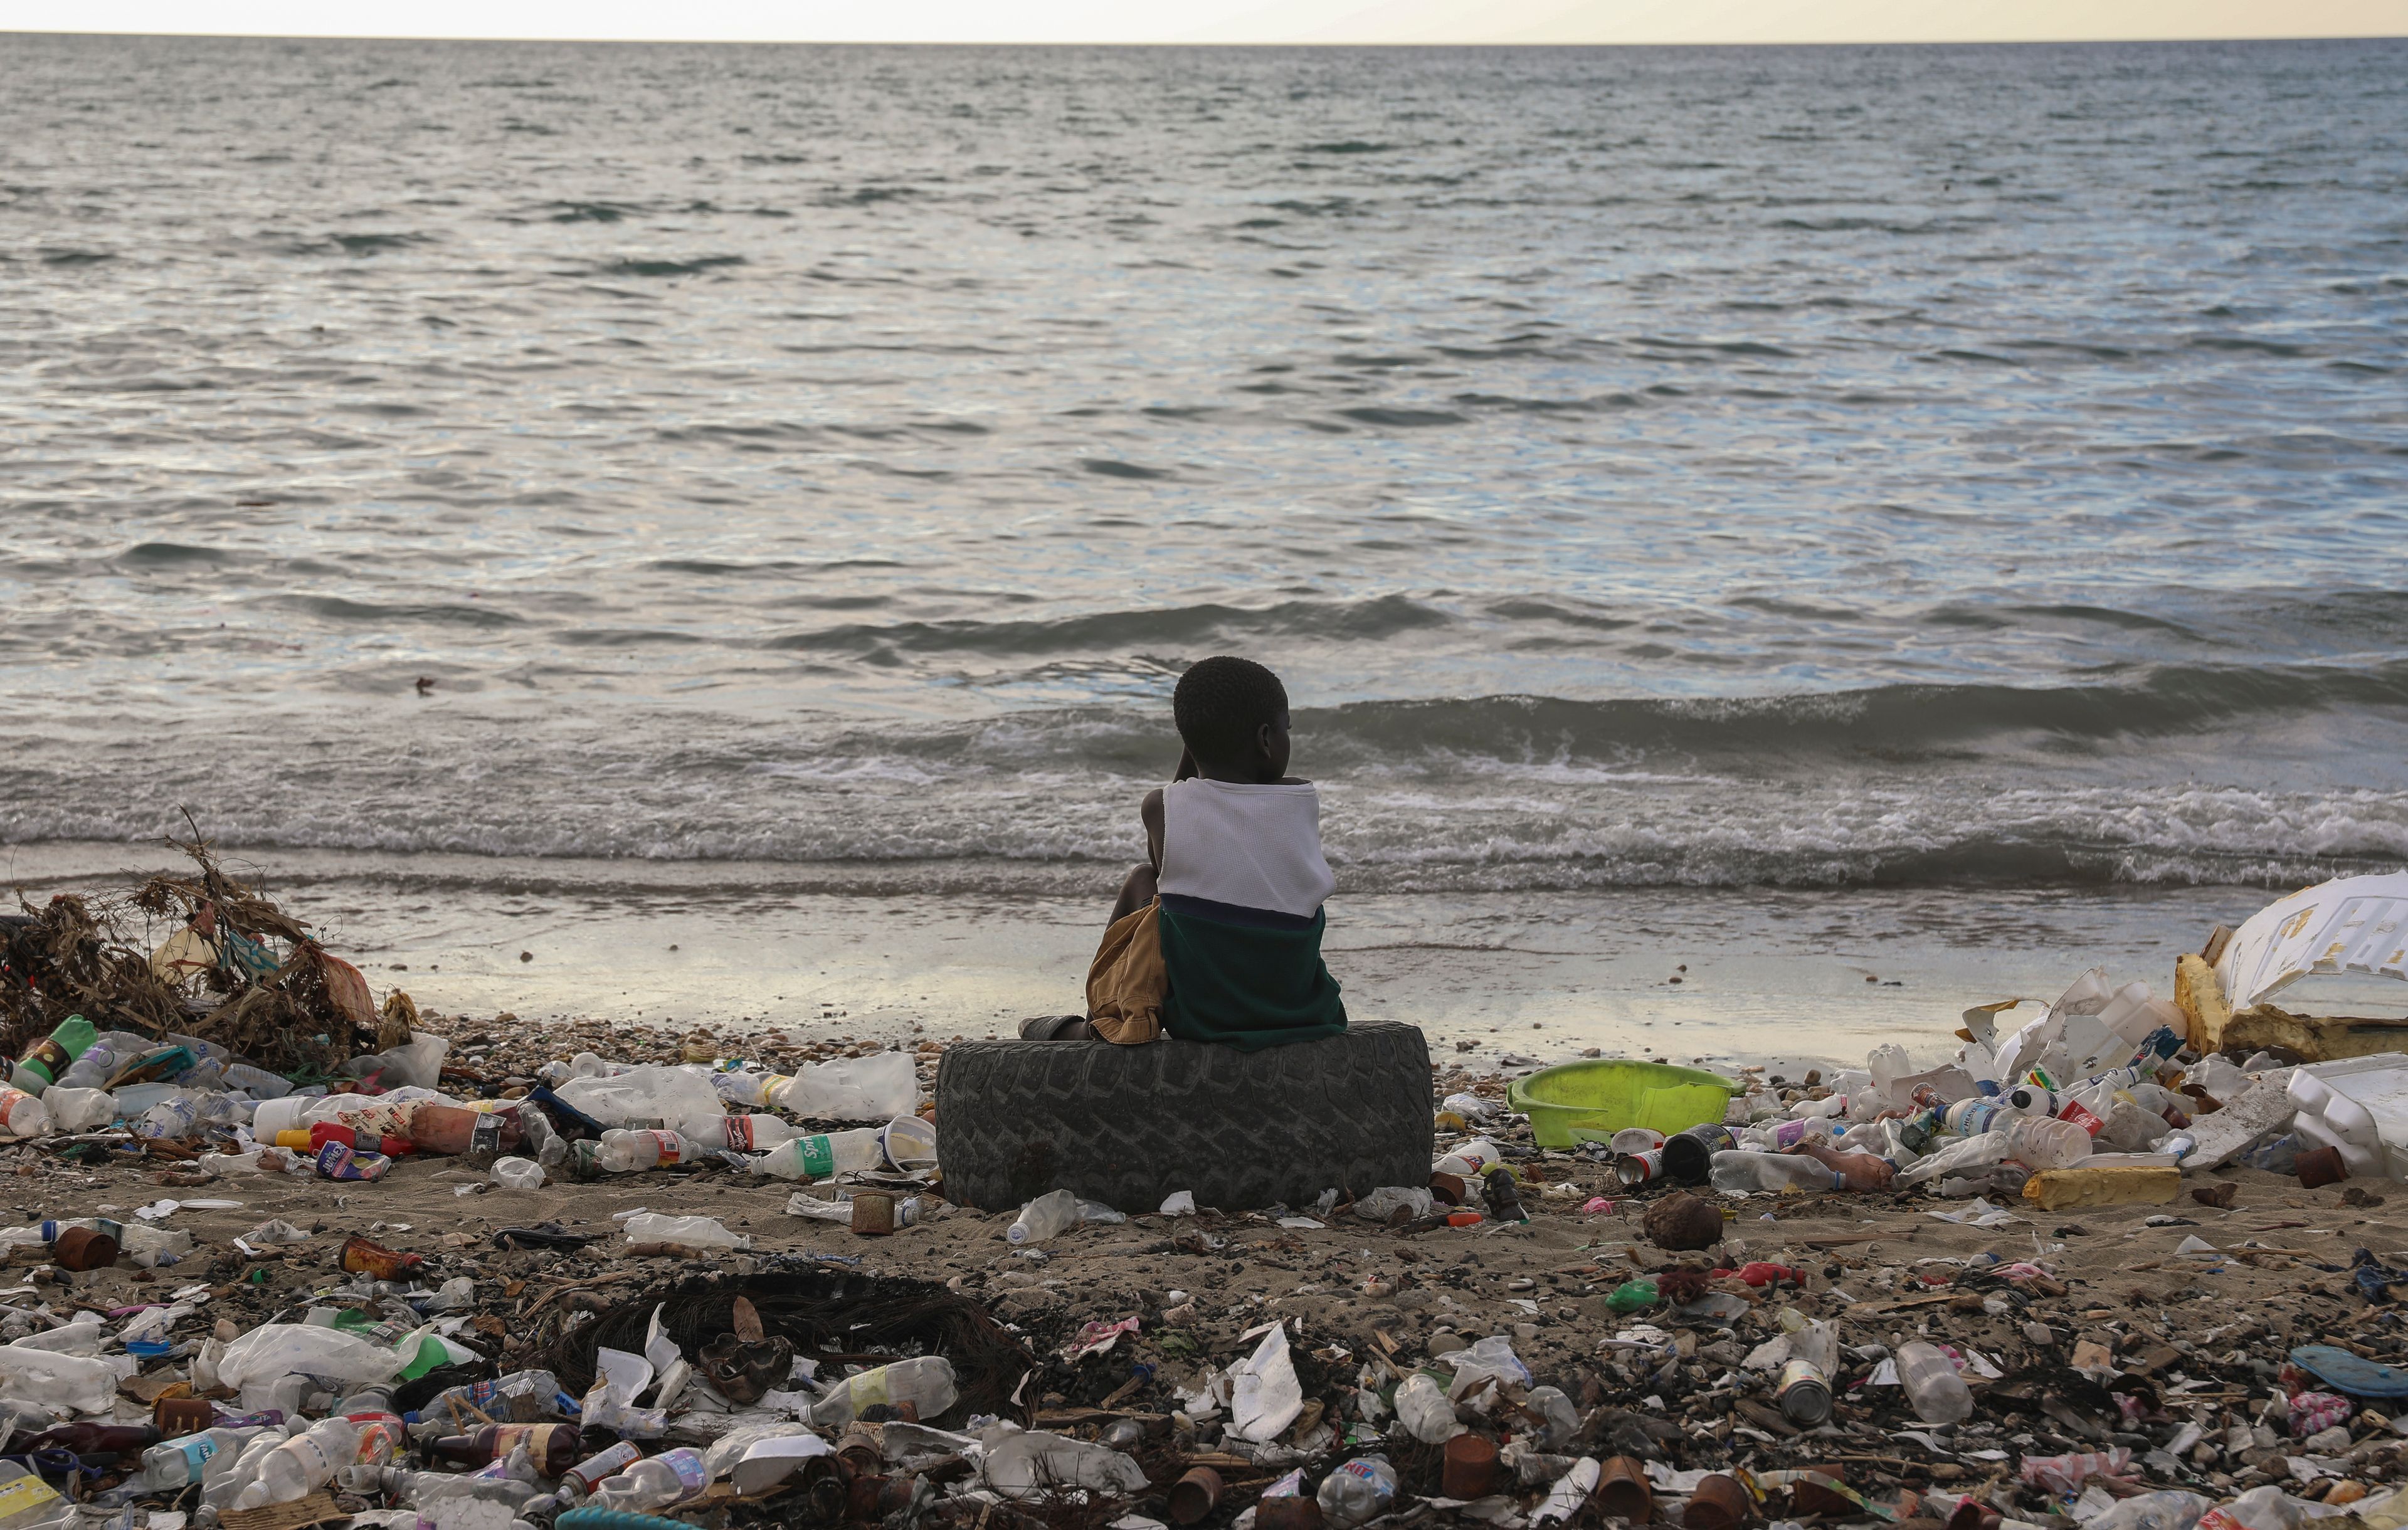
column 1029, row 1464
column 878, row 1087
column 1265, row 1395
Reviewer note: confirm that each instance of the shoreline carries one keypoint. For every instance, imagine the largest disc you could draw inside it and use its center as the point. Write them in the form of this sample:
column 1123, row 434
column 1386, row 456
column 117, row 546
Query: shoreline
column 1766, row 975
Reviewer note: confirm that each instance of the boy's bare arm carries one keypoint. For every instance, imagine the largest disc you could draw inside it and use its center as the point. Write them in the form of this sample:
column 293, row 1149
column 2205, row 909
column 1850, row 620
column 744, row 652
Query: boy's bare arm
column 1151, row 811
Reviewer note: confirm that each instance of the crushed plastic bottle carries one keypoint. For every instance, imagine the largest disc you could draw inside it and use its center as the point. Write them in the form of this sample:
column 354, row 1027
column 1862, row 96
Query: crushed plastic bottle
column 1357, row 1492
column 692, row 1232
column 924, row 1381
column 654, row 1483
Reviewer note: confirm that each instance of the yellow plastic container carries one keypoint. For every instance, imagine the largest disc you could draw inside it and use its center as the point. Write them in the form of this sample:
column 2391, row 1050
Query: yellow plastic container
column 2118, row 1184
column 1611, row 1093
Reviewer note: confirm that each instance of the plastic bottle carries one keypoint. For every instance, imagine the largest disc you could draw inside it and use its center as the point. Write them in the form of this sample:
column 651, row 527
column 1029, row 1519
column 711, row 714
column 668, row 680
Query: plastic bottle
column 257, row 1082
column 878, row 1087
column 926, row 1381
column 739, row 1134
column 62, row 1382
column 1782, row 1136
column 1422, row 1408
column 52, row 1056
column 1772, row 1171
column 226, row 1474
column 1358, row 1491
column 1975, row 1117
column 306, row 1461
column 655, row 1483
column 2044, row 1142
column 28, row 1503
column 523, row 1395
column 692, row 1232
column 820, row 1155
column 1472, row 1160
column 550, row 1446
column 1933, row 1388
column 1054, row 1212
column 22, row 1114
column 627, row 1151
column 588, row 1474
column 179, row 1463
column 77, row 1109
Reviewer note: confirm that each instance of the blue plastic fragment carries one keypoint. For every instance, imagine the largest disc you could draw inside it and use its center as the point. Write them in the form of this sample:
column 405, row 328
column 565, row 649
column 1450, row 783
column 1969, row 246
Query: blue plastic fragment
column 2348, row 1373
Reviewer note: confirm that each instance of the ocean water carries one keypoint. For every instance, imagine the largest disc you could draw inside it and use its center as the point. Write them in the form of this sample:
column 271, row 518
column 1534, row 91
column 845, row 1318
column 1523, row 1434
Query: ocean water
column 1826, row 469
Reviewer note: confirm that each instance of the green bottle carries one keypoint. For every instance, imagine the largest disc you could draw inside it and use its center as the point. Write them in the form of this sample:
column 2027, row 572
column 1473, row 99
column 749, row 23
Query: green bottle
column 40, row 1066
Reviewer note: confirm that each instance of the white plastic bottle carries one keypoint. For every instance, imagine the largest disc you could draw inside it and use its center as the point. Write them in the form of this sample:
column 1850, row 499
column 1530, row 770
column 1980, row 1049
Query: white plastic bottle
column 655, row 1482
column 926, row 1381
column 307, row 1460
column 1054, row 1212
column 1358, row 1491
column 1422, row 1408
column 1472, row 1160
column 739, row 1134
column 820, row 1155
column 227, row 1474
column 629, row 1152
column 179, row 1463
column 1738, row 1170
column 1933, row 1388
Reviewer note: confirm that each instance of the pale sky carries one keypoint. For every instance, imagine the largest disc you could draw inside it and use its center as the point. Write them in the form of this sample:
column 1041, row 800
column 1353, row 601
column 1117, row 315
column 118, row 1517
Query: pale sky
column 1234, row 21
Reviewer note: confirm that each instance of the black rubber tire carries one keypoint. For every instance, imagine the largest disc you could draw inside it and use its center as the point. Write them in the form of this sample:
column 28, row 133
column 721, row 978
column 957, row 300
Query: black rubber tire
column 1130, row 1125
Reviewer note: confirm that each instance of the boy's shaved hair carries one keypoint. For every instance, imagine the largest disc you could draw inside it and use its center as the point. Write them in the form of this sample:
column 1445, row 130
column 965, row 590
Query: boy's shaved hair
column 1222, row 703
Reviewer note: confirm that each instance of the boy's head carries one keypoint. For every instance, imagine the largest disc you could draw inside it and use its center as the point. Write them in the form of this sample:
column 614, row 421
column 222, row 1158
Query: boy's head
column 1232, row 716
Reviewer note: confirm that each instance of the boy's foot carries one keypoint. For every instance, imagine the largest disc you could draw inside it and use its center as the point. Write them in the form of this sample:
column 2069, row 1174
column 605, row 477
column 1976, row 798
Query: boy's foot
column 1056, row 1028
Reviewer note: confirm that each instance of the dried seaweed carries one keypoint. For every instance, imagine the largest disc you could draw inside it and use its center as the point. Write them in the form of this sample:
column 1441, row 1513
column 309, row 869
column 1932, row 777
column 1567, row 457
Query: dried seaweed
column 268, row 993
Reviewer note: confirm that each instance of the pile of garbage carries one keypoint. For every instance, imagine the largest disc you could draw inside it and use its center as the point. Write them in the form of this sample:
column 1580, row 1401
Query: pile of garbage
column 1654, row 1341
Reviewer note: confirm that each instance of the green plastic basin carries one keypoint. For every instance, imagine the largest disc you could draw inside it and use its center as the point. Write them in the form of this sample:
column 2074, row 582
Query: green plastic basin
column 1608, row 1094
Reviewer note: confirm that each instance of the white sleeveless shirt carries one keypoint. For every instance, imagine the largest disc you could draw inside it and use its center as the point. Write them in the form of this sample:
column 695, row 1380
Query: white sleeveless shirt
column 1252, row 847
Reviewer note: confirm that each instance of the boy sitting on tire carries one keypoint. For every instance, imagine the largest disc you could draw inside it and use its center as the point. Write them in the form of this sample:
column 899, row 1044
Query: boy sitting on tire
column 1217, row 938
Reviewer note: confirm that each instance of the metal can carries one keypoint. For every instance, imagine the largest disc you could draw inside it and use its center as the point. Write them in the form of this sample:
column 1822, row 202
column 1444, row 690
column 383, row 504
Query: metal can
column 1637, row 1169
column 1804, row 1393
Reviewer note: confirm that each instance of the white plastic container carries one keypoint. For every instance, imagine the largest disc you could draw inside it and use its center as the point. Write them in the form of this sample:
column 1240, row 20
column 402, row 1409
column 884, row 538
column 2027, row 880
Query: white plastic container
column 655, row 1482
column 1933, row 1388
column 306, row 1461
column 1423, row 1408
column 878, row 1087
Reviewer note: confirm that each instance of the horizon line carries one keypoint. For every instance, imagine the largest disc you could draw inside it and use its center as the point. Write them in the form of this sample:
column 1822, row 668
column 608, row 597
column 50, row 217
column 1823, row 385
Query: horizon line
column 2137, row 38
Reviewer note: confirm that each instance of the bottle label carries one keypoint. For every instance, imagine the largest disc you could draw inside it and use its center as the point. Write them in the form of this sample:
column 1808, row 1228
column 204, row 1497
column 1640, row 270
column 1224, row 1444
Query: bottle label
column 817, row 1155
column 692, row 1475
column 2081, row 1117
column 196, row 1452
column 868, row 1389
column 593, row 1469
column 668, row 1141
column 740, row 1134
column 26, row 1493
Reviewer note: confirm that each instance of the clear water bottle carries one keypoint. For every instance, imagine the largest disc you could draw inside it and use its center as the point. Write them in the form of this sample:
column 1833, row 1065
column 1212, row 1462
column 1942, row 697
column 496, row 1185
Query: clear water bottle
column 2045, row 1142
column 180, row 1463
column 306, row 1461
column 1423, row 1408
column 820, row 1155
column 1750, row 1172
column 629, row 1151
column 1049, row 1215
column 926, row 1381
column 1933, row 1388
column 655, row 1483
column 740, row 1134
column 1358, row 1491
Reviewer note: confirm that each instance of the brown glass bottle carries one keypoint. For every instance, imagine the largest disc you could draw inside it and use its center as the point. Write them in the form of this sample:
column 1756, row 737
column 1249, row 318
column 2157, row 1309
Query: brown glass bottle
column 553, row 1445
